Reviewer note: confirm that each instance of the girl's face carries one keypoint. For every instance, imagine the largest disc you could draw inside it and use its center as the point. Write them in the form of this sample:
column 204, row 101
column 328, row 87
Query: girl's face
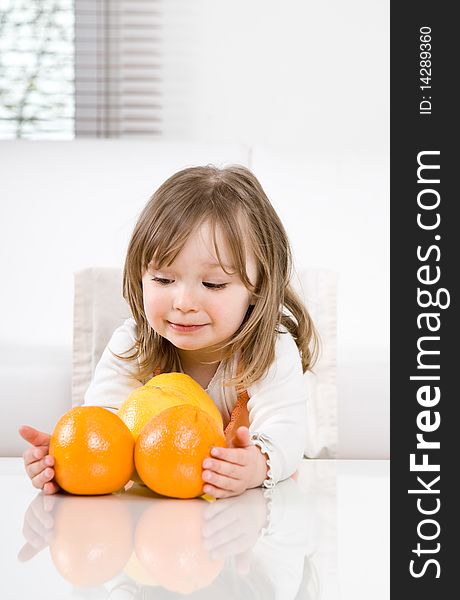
column 192, row 302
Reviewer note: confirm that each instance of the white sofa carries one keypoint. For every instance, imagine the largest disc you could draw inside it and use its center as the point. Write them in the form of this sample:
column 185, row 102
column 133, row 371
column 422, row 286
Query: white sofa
column 68, row 206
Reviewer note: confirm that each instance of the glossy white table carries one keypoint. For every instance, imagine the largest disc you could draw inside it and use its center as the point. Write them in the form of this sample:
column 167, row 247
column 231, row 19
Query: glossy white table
column 324, row 536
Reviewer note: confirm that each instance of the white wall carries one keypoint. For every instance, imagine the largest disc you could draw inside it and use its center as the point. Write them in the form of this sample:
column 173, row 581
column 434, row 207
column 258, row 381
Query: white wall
column 300, row 91
column 298, row 72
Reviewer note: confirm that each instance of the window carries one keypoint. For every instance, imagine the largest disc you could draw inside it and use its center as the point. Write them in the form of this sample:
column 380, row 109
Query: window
column 36, row 69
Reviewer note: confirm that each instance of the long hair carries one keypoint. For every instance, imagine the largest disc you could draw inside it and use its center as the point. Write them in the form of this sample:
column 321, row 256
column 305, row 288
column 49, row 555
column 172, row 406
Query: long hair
column 233, row 201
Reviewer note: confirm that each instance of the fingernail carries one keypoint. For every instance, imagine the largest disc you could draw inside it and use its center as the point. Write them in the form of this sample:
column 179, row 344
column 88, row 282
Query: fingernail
column 49, row 461
column 207, row 464
column 215, row 452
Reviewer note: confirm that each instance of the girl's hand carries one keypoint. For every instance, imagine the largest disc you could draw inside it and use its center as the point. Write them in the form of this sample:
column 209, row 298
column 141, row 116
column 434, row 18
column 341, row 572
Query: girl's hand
column 37, row 461
column 231, row 471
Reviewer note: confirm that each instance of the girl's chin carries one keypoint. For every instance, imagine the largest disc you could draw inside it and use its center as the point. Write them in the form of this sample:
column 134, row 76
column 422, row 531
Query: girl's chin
column 187, row 343
column 207, row 352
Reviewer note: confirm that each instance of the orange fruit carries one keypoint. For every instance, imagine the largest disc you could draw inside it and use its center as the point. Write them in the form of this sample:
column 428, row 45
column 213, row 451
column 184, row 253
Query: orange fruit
column 164, row 391
column 93, row 451
column 169, row 546
column 93, row 539
column 170, row 450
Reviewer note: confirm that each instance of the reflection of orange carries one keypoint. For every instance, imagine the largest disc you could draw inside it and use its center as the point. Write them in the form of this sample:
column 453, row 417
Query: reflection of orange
column 137, row 572
column 161, row 392
column 169, row 545
column 171, row 448
column 92, row 539
column 93, row 451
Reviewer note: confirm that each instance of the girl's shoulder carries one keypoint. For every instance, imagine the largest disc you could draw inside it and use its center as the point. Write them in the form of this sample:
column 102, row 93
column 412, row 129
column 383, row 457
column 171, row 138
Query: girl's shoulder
column 284, row 377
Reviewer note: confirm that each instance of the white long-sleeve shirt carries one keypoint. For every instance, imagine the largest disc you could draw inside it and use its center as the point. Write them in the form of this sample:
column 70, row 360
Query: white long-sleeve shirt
column 277, row 403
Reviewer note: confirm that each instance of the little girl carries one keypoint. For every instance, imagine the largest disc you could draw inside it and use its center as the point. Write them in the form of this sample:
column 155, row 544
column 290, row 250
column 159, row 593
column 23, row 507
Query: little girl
column 207, row 277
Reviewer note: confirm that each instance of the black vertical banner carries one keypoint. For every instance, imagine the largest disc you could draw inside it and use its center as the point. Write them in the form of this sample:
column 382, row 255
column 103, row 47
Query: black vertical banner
column 425, row 332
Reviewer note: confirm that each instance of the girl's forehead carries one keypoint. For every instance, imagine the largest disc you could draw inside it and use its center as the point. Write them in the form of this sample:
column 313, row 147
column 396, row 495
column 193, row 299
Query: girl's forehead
column 213, row 241
column 209, row 246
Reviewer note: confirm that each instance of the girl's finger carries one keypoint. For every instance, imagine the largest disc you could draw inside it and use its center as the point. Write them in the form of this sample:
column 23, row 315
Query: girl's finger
column 38, row 466
column 39, row 480
column 218, row 492
column 241, row 439
column 51, row 487
column 221, row 481
column 238, row 456
column 223, row 467
column 32, row 454
column 34, row 436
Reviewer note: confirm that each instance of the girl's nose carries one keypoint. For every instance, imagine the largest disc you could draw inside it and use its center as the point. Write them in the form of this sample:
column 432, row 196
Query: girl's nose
column 186, row 299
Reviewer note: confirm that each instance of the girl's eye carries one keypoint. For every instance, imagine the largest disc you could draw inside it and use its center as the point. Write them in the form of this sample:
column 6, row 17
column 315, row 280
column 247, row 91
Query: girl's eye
column 214, row 286
column 207, row 284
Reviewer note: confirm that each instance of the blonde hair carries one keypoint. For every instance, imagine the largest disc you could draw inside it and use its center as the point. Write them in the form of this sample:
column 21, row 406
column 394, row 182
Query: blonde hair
column 232, row 200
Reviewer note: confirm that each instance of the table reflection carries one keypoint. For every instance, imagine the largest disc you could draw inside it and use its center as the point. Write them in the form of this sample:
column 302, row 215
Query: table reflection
column 140, row 545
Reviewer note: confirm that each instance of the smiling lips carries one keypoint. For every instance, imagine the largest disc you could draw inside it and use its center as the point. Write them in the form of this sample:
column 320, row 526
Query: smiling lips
column 185, row 328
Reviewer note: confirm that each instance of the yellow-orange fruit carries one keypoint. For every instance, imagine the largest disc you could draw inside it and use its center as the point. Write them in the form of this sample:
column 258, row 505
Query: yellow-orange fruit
column 170, row 450
column 93, row 451
column 161, row 392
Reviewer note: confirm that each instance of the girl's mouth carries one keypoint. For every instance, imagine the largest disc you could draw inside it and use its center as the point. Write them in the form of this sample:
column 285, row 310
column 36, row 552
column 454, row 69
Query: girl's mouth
column 185, row 328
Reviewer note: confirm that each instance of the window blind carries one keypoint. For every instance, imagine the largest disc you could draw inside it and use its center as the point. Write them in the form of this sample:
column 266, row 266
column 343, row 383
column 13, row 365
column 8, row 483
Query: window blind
column 117, row 68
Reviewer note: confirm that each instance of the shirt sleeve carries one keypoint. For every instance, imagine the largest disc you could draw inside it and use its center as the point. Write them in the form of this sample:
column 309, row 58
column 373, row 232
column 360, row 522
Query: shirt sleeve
column 278, row 411
column 114, row 379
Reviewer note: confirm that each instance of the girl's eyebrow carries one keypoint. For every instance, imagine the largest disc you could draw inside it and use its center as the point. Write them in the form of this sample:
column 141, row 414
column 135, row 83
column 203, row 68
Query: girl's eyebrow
column 216, row 265
column 209, row 265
